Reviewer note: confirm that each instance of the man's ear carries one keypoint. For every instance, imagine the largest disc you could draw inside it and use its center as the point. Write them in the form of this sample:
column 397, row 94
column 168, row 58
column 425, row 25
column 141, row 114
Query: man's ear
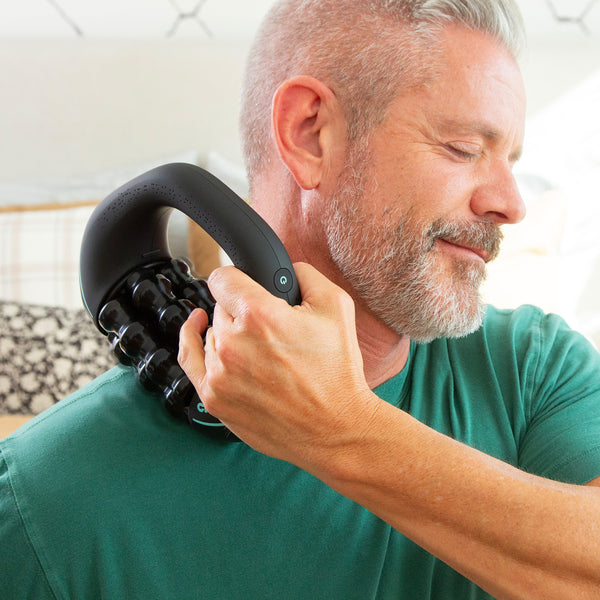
column 308, row 128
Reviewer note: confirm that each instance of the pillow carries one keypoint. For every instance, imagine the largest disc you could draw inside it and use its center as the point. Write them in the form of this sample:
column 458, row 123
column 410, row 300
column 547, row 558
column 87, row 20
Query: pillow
column 46, row 353
column 39, row 255
column 41, row 228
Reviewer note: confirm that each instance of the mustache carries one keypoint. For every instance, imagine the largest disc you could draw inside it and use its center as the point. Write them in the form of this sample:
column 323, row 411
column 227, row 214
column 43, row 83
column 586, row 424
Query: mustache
column 485, row 235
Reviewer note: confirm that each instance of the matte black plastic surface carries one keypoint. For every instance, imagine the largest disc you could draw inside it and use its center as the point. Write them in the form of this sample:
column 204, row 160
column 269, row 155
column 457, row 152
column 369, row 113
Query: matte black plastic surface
column 139, row 296
column 129, row 228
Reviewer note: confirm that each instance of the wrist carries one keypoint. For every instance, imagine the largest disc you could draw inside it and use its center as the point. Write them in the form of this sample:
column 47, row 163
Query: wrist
column 351, row 451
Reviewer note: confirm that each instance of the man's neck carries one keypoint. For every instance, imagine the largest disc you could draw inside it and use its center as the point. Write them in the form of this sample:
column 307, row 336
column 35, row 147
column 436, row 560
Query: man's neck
column 384, row 352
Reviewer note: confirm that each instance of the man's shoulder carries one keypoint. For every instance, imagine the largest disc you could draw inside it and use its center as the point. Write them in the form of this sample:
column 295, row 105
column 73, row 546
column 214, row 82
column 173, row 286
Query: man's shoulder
column 523, row 338
column 114, row 402
column 512, row 337
column 114, row 386
column 529, row 325
column 522, row 316
column 510, row 326
column 101, row 439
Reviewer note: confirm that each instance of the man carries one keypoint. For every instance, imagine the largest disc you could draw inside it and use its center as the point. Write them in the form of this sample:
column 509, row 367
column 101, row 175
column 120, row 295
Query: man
column 420, row 449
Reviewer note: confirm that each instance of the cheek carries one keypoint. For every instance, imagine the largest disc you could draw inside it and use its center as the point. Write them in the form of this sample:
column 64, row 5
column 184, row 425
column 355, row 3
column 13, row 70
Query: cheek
column 440, row 188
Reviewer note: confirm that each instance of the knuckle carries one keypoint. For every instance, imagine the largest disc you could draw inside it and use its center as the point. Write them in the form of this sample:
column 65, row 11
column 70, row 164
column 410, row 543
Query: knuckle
column 226, row 351
column 211, row 390
column 254, row 318
column 341, row 301
column 182, row 356
column 210, row 403
column 216, row 276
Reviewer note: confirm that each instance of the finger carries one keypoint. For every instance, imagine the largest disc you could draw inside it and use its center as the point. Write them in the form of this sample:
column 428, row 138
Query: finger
column 235, row 291
column 191, row 346
column 221, row 318
column 321, row 294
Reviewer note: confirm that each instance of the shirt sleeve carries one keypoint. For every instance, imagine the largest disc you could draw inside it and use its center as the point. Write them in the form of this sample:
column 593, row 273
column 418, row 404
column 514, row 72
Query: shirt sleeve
column 21, row 575
column 562, row 394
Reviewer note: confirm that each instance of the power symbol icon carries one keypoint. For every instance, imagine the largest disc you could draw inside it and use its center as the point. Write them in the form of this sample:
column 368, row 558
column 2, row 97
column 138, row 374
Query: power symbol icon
column 283, row 280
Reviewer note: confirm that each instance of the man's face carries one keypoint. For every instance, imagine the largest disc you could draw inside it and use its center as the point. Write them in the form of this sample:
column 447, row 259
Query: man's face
column 417, row 212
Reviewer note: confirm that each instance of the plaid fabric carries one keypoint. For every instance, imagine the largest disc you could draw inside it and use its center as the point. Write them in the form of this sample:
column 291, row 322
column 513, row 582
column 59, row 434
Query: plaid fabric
column 39, row 255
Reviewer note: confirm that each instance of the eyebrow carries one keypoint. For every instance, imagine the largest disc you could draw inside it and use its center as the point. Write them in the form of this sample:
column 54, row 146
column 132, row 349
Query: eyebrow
column 481, row 128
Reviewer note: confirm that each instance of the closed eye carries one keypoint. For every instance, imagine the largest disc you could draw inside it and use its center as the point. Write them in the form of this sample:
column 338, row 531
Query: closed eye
column 461, row 153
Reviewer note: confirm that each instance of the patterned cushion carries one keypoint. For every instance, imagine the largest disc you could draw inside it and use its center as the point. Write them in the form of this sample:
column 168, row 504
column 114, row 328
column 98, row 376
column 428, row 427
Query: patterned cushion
column 45, row 354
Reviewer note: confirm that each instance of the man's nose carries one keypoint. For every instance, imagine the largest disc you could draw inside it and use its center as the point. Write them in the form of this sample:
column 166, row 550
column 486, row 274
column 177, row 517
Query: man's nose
column 498, row 197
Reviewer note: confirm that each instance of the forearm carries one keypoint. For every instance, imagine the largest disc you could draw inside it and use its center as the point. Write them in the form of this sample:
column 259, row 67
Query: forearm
column 514, row 534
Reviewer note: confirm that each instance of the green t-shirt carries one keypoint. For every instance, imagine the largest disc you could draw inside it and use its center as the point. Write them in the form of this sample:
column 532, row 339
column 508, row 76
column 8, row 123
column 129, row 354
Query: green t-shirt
column 106, row 496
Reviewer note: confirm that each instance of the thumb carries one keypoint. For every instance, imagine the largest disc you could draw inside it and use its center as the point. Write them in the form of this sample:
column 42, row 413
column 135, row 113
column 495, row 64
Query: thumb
column 321, row 294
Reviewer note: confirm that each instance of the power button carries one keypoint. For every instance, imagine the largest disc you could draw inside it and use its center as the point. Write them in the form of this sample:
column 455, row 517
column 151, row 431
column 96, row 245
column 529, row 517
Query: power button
column 283, row 280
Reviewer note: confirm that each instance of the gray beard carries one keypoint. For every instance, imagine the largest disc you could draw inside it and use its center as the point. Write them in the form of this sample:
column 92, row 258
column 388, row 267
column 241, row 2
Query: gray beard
column 397, row 272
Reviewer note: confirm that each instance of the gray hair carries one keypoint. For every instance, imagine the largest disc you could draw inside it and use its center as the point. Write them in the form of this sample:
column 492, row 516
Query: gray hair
column 366, row 51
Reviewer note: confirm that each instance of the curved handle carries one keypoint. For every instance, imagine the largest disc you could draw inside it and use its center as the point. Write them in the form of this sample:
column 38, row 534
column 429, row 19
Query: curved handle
column 129, row 229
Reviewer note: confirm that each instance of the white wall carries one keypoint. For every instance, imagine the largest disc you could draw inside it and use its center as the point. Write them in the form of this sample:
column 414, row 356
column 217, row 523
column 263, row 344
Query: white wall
column 87, row 85
column 564, row 45
column 223, row 20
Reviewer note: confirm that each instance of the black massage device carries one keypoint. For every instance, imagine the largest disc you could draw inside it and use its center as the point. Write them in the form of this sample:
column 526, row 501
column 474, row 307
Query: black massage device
column 139, row 296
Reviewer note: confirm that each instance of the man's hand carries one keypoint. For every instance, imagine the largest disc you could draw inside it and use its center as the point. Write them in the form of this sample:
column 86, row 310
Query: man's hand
column 289, row 382
column 285, row 379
